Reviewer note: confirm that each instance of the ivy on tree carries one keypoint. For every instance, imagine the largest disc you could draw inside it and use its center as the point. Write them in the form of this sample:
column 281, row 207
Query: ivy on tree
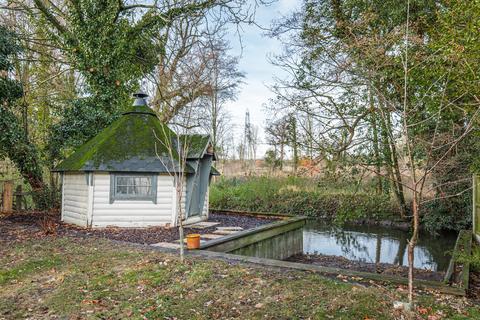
column 14, row 141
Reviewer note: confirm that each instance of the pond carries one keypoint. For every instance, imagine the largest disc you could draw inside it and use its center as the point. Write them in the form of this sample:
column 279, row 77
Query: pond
column 377, row 244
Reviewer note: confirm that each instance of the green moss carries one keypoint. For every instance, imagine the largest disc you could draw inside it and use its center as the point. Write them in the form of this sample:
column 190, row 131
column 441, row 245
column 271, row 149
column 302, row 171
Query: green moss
column 477, row 221
column 136, row 135
column 132, row 143
column 196, row 144
column 27, row 268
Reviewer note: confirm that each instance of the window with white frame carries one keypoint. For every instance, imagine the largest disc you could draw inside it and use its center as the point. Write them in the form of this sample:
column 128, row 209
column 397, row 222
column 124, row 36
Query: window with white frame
column 133, row 187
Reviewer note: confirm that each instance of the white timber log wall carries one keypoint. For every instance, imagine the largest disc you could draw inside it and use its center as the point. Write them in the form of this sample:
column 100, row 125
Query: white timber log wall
column 75, row 199
column 86, row 205
column 128, row 213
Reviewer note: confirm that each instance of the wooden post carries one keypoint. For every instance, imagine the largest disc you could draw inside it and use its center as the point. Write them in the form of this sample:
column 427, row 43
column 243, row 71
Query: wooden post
column 18, row 198
column 476, row 209
column 7, row 196
column 474, row 204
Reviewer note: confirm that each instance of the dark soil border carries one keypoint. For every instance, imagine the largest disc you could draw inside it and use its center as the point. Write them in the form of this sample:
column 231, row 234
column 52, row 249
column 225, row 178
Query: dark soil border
column 34, row 224
column 376, row 268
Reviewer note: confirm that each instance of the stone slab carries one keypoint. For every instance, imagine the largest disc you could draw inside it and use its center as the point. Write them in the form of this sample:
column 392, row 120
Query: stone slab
column 230, row 228
column 203, row 225
column 224, row 232
column 210, row 236
column 166, row 245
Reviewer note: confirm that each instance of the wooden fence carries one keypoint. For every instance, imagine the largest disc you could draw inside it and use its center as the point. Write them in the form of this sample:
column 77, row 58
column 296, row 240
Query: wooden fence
column 476, row 207
column 12, row 198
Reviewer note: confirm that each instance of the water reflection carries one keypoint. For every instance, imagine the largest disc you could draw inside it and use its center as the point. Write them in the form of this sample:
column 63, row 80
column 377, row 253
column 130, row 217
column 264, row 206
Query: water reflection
column 374, row 244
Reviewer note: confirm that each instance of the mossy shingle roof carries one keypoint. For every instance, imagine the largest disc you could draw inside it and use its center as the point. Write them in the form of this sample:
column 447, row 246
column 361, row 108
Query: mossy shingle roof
column 136, row 142
column 196, row 145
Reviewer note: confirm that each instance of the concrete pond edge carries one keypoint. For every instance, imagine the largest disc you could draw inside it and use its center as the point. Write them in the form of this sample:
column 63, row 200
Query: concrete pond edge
column 243, row 238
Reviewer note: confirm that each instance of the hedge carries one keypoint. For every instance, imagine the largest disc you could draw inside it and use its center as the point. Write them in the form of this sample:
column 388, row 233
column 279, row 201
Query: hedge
column 300, row 197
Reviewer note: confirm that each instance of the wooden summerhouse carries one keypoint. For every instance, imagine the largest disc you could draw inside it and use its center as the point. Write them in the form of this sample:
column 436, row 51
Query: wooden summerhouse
column 125, row 176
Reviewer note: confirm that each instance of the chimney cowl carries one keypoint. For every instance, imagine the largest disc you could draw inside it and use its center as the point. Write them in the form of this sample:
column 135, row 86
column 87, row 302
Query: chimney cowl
column 140, row 99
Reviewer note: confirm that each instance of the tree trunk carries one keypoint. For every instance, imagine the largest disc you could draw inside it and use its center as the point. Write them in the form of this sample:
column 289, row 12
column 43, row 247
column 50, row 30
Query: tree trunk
column 294, row 145
column 391, row 163
column 281, row 156
column 402, row 246
column 309, row 135
column 411, row 247
column 376, row 148
column 179, row 191
column 398, row 180
column 378, row 253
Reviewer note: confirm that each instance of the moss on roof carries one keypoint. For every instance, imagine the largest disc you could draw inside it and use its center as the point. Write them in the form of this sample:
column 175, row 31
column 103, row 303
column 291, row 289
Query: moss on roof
column 134, row 142
column 196, row 144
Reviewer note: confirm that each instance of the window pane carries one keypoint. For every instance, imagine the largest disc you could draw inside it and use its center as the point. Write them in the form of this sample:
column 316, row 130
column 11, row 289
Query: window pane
column 122, row 190
column 133, row 186
column 148, row 181
column 142, row 181
column 142, row 191
column 122, row 181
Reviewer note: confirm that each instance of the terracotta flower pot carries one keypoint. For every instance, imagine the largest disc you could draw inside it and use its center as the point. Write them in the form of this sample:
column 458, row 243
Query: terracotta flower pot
column 193, row 241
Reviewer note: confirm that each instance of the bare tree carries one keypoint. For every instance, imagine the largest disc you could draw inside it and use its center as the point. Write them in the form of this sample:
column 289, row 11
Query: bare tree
column 196, row 72
column 277, row 133
column 181, row 76
column 177, row 145
column 225, row 79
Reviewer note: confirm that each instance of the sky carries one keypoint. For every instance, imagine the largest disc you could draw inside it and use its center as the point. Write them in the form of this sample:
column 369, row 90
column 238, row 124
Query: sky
column 259, row 73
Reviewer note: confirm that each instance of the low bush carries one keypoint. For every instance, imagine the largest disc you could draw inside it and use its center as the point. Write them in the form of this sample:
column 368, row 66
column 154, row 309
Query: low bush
column 448, row 214
column 300, row 196
column 473, row 258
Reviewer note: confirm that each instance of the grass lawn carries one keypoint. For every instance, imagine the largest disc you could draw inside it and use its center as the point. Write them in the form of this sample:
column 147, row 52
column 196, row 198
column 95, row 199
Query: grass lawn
column 77, row 278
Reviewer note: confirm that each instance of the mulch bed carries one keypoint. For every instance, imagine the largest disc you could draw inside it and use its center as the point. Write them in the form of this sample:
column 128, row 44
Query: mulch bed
column 27, row 225
column 381, row 268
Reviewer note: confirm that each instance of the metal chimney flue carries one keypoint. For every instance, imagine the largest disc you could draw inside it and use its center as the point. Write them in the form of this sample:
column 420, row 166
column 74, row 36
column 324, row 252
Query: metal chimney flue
column 140, row 99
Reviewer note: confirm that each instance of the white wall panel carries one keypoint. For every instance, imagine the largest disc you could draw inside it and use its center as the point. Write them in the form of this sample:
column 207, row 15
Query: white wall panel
column 130, row 213
column 75, row 198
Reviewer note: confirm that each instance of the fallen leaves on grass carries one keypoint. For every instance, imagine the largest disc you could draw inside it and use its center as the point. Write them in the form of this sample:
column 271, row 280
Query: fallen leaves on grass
column 208, row 303
column 424, row 311
column 95, row 301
